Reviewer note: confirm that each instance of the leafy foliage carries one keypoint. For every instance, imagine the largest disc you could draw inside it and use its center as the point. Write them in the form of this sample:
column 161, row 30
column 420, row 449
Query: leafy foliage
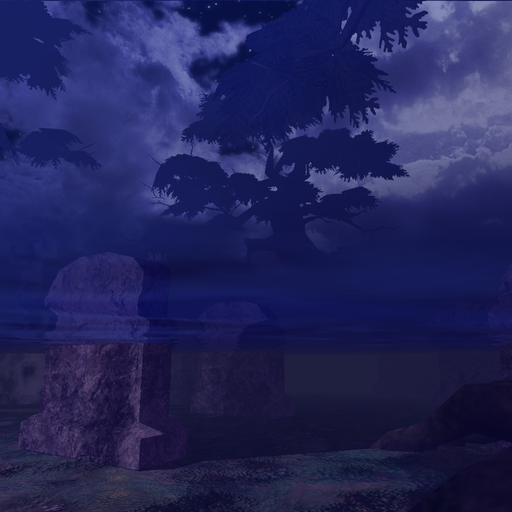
column 36, row 36
column 287, row 76
column 300, row 59
column 31, row 39
column 195, row 182
column 50, row 145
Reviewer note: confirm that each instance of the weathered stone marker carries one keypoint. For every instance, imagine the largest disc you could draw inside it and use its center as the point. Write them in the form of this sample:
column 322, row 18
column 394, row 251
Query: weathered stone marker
column 105, row 395
column 248, row 383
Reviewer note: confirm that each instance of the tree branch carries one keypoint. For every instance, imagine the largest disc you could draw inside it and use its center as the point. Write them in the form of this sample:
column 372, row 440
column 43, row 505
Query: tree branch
column 153, row 160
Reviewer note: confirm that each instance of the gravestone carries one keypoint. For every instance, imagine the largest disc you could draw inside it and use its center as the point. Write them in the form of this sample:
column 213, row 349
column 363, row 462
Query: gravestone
column 239, row 324
column 235, row 382
column 105, row 395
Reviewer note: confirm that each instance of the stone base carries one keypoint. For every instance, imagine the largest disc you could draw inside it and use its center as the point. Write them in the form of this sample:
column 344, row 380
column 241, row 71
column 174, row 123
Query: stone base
column 108, row 404
column 249, row 384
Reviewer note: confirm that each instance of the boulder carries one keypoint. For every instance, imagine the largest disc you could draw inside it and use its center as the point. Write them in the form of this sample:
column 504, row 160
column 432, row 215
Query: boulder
column 483, row 409
column 481, row 487
column 500, row 315
column 459, row 367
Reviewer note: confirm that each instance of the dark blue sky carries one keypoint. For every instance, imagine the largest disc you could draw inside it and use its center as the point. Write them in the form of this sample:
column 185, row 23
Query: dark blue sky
column 136, row 82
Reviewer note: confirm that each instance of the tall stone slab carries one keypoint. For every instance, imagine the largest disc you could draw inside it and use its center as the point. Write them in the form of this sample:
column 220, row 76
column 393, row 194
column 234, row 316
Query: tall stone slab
column 105, row 395
column 241, row 325
column 107, row 403
column 239, row 382
column 249, row 384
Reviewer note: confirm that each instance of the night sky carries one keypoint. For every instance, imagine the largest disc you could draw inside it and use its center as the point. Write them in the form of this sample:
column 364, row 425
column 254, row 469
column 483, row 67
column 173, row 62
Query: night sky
column 136, row 82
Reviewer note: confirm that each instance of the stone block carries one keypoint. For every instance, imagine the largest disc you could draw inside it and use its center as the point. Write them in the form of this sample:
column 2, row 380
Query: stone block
column 107, row 403
column 21, row 379
column 249, row 384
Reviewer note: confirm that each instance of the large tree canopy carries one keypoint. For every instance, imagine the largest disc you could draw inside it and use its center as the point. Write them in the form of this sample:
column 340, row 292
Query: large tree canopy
column 302, row 58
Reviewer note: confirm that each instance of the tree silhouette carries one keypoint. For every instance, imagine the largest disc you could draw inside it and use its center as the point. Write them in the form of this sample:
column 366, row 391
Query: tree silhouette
column 303, row 57
column 287, row 201
column 32, row 38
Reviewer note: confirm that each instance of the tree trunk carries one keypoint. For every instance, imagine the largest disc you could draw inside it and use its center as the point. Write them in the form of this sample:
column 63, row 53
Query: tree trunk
column 292, row 246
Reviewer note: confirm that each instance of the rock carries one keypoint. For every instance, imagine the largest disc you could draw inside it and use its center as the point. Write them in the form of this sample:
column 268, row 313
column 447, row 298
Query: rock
column 500, row 316
column 107, row 403
column 110, row 298
column 460, row 367
column 482, row 487
column 240, row 325
column 482, row 409
column 21, row 379
column 468, row 316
